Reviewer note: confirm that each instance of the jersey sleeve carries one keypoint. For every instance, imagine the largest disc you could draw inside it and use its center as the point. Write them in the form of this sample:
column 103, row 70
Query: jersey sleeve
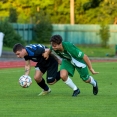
column 26, row 58
column 73, row 50
column 35, row 50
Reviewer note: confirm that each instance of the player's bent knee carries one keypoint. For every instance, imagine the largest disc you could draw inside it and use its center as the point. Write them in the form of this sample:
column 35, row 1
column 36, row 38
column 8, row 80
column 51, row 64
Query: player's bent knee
column 52, row 83
column 63, row 75
column 87, row 81
column 37, row 79
column 51, row 80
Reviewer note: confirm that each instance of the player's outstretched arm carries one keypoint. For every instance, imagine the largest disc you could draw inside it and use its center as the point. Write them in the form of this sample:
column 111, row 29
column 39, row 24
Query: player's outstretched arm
column 88, row 62
column 57, row 58
column 27, row 67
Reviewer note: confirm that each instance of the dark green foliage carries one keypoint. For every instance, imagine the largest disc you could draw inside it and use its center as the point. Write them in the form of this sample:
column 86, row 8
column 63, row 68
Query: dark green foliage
column 43, row 29
column 104, row 34
column 85, row 11
column 11, row 37
column 92, row 4
column 13, row 15
column 4, row 1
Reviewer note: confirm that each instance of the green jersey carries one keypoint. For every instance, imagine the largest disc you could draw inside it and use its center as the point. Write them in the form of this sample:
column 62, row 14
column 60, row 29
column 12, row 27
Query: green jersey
column 72, row 54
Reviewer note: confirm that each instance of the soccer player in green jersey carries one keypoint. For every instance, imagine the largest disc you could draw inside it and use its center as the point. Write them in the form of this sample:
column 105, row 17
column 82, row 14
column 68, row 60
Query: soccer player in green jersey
column 73, row 58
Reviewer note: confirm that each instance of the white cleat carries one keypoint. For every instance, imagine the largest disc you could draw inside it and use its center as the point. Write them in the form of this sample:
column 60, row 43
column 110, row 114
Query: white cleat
column 45, row 92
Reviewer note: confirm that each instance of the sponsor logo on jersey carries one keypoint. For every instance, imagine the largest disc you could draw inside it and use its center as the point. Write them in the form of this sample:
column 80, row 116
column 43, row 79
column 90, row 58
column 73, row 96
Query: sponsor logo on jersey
column 80, row 53
column 50, row 77
column 34, row 58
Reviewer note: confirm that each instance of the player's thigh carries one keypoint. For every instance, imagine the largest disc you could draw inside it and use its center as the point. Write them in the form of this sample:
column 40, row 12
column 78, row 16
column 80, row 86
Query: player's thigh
column 84, row 73
column 52, row 72
column 38, row 74
column 39, row 71
column 67, row 66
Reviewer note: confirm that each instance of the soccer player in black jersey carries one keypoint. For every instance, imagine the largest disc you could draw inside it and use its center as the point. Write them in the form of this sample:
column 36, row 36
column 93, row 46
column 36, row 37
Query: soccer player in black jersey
column 35, row 53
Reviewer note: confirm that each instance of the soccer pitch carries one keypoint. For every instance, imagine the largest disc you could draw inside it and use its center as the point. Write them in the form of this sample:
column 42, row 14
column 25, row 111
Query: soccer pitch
column 16, row 101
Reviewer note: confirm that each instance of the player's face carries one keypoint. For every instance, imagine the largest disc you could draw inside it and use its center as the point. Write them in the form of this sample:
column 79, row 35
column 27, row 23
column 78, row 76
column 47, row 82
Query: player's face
column 20, row 54
column 56, row 46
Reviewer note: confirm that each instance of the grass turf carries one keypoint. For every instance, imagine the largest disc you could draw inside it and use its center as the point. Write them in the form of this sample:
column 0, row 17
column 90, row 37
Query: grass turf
column 24, row 102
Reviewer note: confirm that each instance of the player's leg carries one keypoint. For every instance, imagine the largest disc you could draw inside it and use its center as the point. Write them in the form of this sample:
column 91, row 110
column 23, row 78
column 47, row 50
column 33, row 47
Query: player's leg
column 40, row 81
column 65, row 69
column 95, row 85
column 84, row 74
column 53, row 75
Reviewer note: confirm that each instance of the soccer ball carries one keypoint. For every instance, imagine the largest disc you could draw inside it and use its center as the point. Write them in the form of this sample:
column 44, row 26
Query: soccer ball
column 25, row 81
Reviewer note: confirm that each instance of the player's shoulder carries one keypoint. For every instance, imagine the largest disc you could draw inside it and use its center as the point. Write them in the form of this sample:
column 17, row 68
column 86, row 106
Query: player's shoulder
column 66, row 43
column 31, row 48
column 34, row 46
column 31, row 45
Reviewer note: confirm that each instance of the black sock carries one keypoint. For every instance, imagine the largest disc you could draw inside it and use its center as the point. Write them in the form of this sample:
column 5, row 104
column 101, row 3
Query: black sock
column 43, row 85
column 58, row 76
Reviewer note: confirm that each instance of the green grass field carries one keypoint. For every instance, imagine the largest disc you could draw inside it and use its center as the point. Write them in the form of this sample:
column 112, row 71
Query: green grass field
column 24, row 102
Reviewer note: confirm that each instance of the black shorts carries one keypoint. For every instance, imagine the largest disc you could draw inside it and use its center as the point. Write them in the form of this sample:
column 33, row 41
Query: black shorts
column 51, row 68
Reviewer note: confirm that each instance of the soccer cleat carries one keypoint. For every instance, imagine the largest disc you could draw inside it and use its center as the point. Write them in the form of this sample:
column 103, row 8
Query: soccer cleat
column 76, row 92
column 45, row 92
column 95, row 89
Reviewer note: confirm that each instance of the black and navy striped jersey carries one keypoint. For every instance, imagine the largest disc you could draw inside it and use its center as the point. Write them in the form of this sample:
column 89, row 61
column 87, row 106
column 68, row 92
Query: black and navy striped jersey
column 35, row 52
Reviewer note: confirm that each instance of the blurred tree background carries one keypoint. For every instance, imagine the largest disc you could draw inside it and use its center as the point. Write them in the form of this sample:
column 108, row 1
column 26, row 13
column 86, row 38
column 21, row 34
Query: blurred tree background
column 86, row 11
column 11, row 37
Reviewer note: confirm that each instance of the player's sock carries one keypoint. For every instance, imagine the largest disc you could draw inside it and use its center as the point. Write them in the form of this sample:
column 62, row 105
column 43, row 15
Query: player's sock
column 92, row 81
column 43, row 85
column 58, row 76
column 70, row 83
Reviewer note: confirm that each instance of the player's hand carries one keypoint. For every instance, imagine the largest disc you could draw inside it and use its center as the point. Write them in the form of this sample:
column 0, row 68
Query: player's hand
column 93, row 71
column 45, row 55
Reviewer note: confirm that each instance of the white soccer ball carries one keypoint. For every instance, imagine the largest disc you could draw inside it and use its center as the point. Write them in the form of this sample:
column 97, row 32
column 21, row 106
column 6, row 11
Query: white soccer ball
column 25, row 81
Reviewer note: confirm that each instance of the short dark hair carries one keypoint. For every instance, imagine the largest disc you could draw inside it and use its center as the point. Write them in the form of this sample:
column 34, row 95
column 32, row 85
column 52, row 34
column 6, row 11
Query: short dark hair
column 17, row 47
column 56, row 39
